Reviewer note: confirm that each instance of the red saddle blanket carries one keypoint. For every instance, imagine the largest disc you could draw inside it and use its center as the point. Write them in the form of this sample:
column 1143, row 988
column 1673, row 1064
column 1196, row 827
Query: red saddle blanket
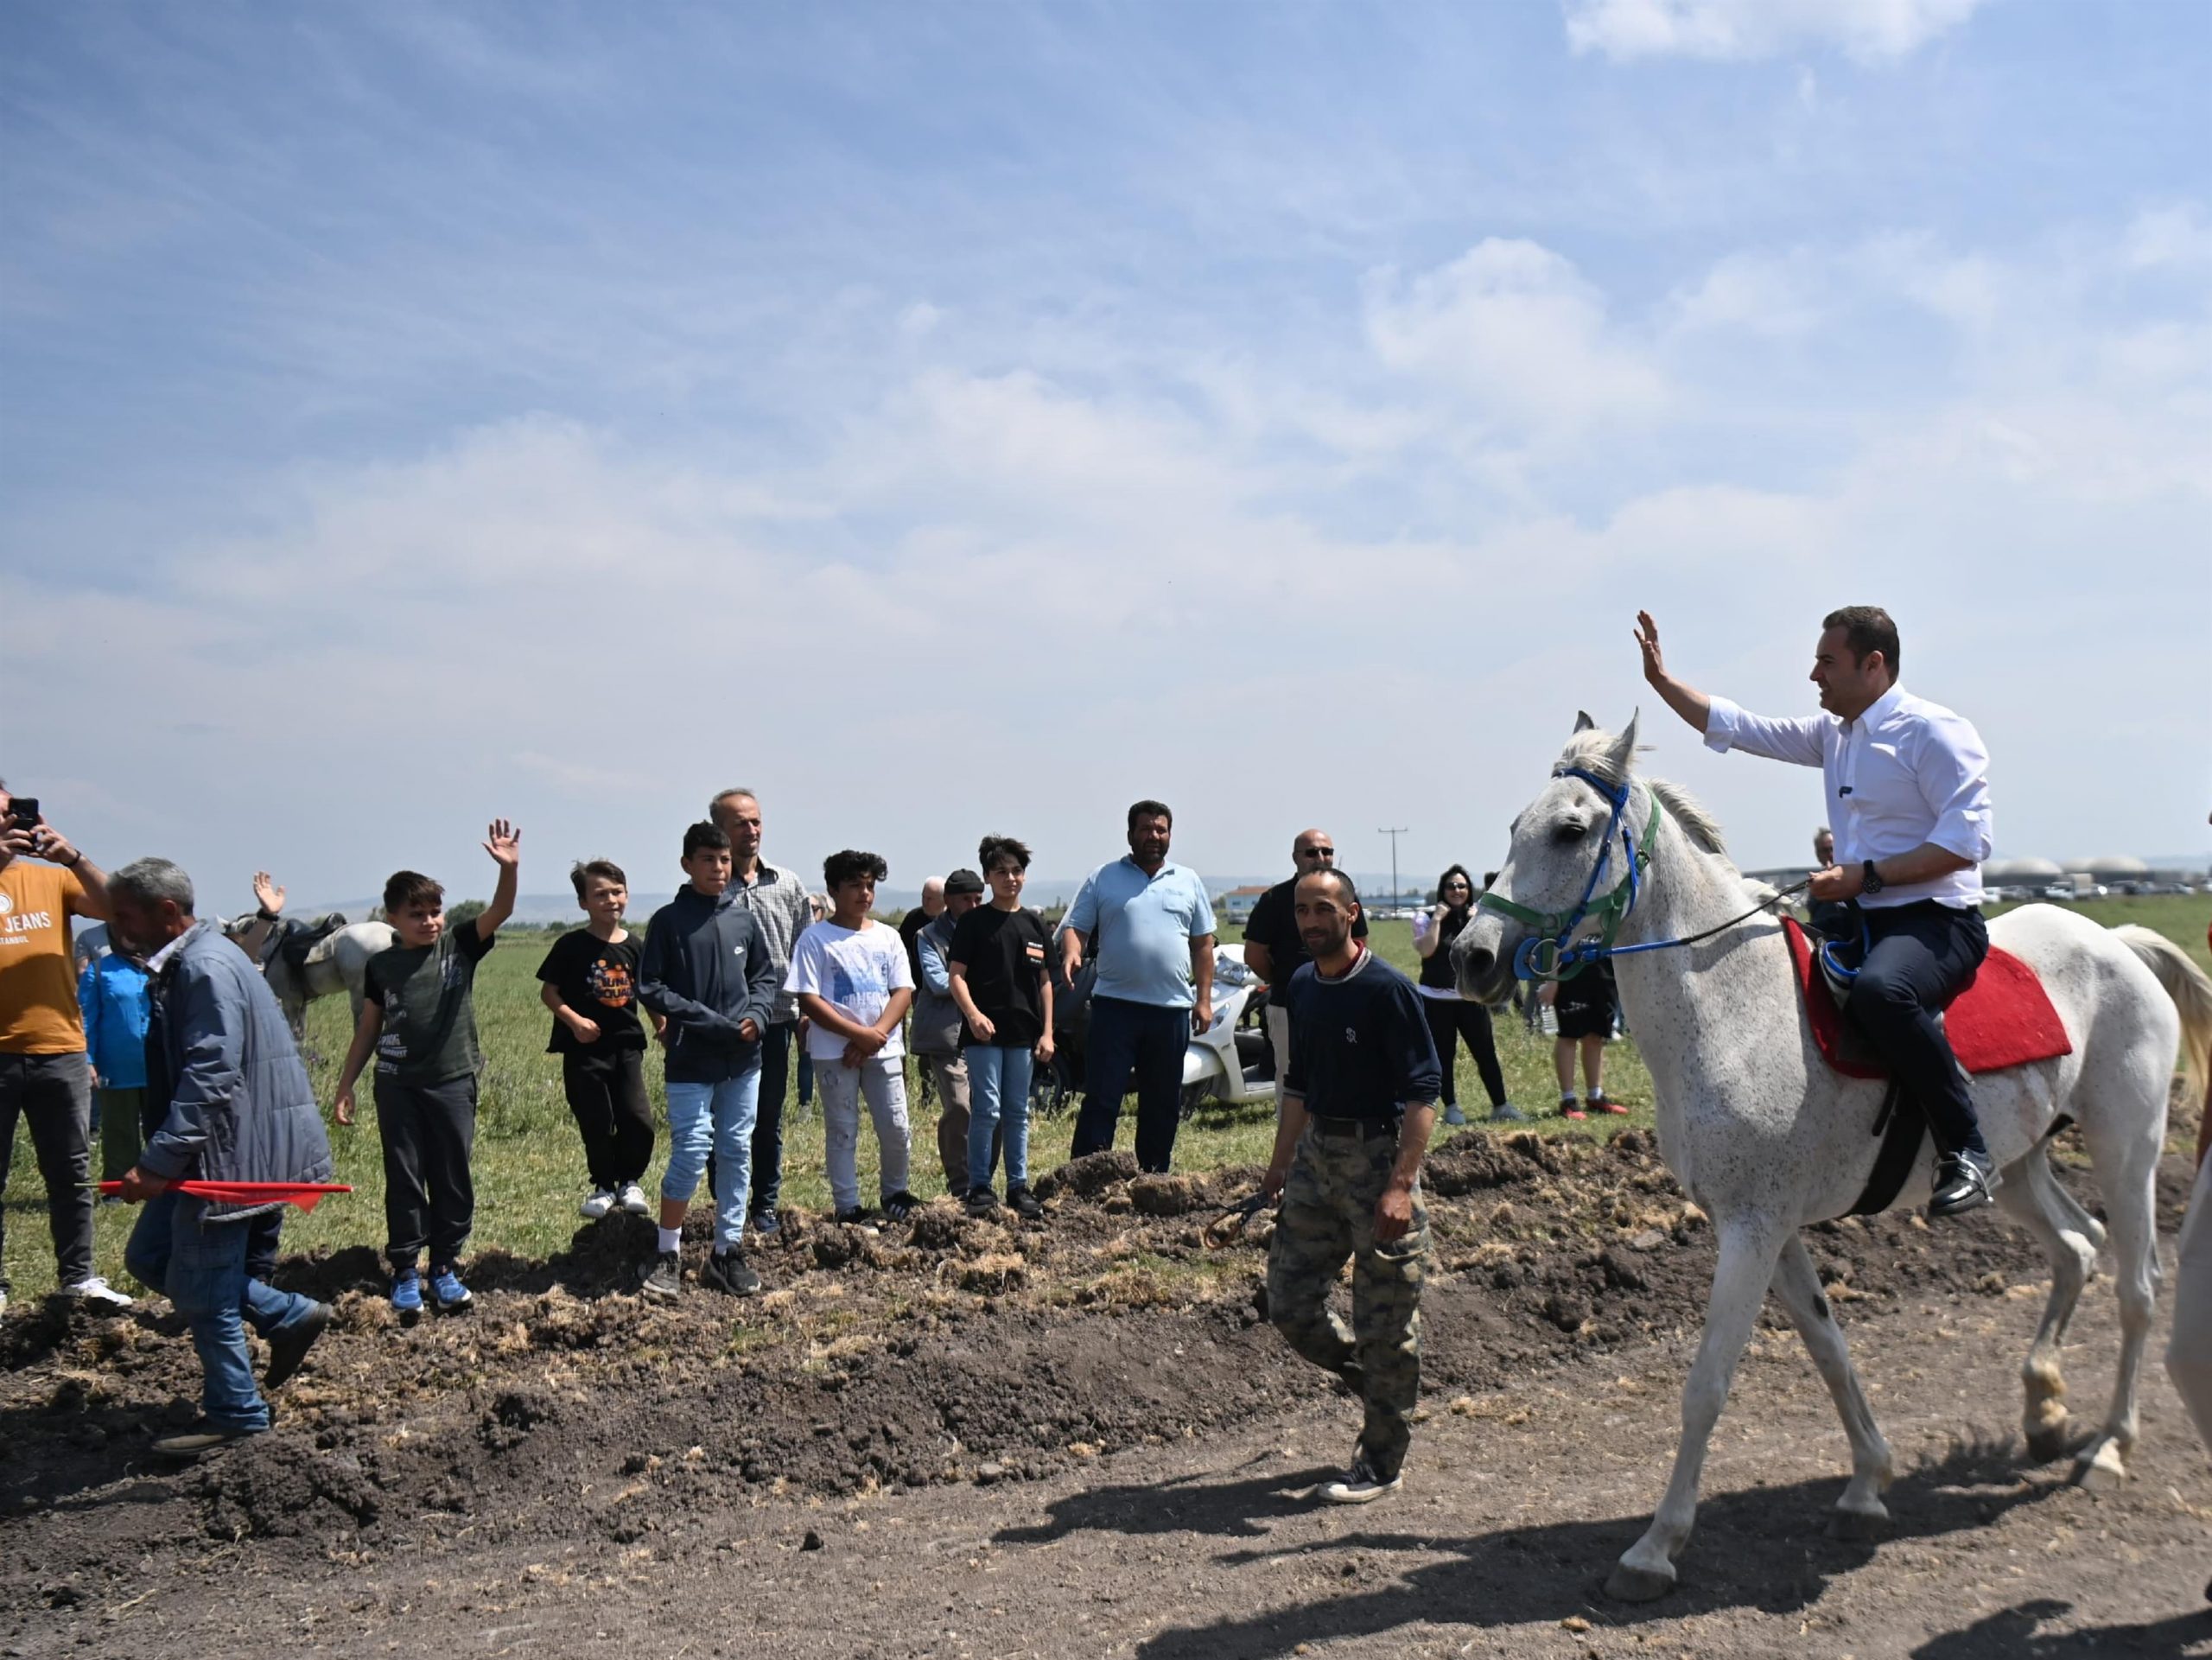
column 2004, row 1017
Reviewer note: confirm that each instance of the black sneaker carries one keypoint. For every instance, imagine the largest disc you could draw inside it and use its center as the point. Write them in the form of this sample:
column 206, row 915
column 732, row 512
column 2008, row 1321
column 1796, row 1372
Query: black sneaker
column 1025, row 1202
column 726, row 1270
column 1362, row 1485
column 765, row 1222
column 287, row 1349
column 982, row 1201
column 1964, row 1181
column 900, row 1206
column 858, row 1217
column 665, row 1279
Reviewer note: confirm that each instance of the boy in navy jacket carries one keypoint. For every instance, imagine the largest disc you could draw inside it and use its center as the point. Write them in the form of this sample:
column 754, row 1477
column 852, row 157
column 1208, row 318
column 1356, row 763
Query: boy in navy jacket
column 708, row 970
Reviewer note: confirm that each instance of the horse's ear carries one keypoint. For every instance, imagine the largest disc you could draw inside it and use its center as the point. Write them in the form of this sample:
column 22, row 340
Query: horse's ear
column 1582, row 720
column 1621, row 756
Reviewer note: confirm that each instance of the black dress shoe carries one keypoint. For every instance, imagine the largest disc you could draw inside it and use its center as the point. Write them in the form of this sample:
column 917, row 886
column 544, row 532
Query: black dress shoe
column 1964, row 1181
column 287, row 1349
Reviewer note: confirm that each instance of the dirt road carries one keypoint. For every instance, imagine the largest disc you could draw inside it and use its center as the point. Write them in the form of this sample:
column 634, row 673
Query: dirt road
column 628, row 1524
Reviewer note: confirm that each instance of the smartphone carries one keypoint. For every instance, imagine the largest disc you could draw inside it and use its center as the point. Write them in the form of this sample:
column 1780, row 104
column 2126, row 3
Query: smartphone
column 22, row 811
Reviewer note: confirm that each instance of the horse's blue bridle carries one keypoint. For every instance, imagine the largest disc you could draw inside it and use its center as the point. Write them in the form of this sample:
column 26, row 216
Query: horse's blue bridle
column 1546, row 954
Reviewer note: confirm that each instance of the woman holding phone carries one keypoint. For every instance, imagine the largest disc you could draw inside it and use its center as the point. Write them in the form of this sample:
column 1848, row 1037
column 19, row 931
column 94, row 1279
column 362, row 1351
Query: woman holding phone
column 1451, row 1017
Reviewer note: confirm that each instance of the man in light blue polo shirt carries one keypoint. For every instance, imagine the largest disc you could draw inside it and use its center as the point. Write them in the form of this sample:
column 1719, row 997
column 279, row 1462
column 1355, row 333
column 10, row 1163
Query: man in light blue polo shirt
column 1154, row 926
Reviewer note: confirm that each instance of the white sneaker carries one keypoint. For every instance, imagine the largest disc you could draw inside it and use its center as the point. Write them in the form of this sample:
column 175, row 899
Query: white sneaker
column 96, row 1291
column 633, row 1199
column 600, row 1202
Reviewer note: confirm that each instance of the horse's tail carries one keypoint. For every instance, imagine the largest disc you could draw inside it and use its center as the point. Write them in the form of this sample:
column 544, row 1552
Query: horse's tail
column 2187, row 985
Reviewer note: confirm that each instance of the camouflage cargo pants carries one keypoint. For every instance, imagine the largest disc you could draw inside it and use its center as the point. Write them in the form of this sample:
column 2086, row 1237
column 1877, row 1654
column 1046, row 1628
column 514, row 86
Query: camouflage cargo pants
column 1328, row 1214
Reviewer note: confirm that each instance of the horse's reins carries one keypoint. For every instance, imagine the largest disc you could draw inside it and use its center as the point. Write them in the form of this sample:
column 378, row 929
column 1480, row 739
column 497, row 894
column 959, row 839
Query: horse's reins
column 1546, row 954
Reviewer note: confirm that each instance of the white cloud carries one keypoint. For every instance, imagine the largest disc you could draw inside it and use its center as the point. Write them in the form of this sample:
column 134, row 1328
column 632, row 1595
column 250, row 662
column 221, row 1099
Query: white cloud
column 2175, row 236
column 1869, row 30
column 1512, row 332
column 1777, row 296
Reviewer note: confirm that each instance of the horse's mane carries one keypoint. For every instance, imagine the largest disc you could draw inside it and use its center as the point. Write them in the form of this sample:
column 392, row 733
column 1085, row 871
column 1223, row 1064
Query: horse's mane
column 1685, row 810
column 1592, row 751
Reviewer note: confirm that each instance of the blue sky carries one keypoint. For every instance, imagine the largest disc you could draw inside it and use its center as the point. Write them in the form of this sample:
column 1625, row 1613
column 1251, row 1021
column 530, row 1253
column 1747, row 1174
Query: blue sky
column 959, row 419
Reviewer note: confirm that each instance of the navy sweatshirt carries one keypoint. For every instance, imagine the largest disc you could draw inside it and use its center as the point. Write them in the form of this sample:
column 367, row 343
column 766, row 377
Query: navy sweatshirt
column 1359, row 1046
column 708, row 968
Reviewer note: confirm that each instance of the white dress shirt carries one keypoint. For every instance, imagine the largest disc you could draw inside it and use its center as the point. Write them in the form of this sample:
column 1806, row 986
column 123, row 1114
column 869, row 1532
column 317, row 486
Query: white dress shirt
column 1905, row 773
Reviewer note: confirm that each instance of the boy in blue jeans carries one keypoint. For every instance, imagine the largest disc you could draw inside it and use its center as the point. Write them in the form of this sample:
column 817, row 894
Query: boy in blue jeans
column 1003, row 985
column 708, row 970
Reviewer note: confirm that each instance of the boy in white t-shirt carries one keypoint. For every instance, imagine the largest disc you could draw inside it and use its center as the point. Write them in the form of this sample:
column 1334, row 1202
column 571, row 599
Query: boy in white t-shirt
column 853, row 985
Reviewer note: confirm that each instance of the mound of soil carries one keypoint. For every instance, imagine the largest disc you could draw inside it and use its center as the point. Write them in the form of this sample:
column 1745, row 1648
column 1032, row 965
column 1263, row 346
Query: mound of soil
column 945, row 1349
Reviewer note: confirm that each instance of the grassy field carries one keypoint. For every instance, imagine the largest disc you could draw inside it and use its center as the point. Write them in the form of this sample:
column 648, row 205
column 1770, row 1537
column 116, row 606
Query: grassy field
column 528, row 1164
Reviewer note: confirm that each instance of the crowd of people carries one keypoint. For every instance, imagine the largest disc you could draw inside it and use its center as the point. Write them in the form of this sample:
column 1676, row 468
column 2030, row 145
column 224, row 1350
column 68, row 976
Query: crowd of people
column 197, row 1075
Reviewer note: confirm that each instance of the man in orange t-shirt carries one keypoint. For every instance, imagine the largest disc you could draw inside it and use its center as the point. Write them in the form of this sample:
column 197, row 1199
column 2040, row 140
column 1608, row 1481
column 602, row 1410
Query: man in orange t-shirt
column 44, row 1075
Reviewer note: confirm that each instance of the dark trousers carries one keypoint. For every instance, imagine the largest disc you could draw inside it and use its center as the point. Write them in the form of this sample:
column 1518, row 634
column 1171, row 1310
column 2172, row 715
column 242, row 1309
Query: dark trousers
column 607, row 1095
column 768, row 1127
column 1923, row 955
column 55, row 1093
column 1458, row 1018
column 429, row 1131
column 1148, row 1041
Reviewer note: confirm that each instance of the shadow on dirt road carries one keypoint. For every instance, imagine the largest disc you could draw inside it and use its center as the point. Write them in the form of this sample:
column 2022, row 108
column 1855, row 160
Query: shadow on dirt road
column 1761, row 1549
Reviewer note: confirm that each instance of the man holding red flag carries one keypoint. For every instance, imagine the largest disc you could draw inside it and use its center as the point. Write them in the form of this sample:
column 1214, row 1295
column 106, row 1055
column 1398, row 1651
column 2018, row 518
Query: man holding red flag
column 225, row 1081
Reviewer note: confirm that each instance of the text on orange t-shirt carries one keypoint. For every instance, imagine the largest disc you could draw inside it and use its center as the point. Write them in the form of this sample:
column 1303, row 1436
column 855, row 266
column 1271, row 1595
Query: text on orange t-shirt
column 38, row 981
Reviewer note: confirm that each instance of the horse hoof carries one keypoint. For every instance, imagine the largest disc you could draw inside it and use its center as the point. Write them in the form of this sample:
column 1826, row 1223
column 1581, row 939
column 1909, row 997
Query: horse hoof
column 2049, row 1445
column 1628, row 1583
column 1857, row 1527
column 2100, row 1475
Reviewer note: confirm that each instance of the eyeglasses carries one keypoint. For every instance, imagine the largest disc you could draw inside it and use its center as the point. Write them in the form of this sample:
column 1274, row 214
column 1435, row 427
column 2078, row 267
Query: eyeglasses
column 1315, row 853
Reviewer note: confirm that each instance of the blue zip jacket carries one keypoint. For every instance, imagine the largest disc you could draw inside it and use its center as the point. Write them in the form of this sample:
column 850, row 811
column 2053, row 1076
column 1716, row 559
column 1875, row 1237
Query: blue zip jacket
column 113, row 993
column 231, row 1094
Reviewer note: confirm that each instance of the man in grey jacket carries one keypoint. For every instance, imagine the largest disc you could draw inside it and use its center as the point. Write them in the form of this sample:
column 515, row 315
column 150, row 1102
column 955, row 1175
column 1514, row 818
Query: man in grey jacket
column 234, row 1105
column 933, row 1025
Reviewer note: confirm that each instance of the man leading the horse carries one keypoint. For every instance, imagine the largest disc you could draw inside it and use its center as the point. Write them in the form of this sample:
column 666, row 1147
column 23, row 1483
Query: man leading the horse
column 1908, row 788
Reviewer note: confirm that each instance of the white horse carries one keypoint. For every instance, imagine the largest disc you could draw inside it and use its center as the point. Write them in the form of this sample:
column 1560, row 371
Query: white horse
column 338, row 962
column 1766, row 1138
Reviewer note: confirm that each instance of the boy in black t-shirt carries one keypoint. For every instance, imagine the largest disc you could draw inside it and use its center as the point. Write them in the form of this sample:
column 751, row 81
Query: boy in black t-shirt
column 590, row 983
column 1003, row 986
column 418, row 1014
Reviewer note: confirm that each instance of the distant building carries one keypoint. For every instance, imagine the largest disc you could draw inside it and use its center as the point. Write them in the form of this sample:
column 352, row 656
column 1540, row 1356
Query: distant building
column 1235, row 906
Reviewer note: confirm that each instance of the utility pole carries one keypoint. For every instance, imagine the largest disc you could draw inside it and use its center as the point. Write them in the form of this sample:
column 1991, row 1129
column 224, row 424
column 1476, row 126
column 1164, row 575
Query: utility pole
column 1394, row 832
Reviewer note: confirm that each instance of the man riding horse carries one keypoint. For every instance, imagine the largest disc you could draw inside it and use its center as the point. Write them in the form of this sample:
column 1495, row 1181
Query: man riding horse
column 1908, row 785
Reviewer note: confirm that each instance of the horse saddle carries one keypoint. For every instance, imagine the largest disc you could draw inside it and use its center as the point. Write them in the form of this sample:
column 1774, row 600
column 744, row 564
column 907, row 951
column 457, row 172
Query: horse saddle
column 2001, row 1018
column 298, row 942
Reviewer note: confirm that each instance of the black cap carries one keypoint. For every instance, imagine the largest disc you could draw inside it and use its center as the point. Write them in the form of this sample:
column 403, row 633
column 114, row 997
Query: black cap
column 963, row 881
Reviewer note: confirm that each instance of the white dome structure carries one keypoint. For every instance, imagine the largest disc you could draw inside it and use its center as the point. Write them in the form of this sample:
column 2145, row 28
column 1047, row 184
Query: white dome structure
column 2009, row 871
column 2110, row 867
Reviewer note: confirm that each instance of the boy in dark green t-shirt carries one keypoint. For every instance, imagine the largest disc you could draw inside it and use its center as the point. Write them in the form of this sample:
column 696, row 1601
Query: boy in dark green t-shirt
column 418, row 1015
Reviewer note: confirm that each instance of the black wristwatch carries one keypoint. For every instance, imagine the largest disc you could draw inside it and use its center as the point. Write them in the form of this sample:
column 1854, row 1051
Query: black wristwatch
column 1872, row 882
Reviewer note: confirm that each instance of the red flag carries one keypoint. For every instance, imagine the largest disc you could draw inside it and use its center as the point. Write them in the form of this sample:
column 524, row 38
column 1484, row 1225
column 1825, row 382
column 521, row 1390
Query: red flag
column 305, row 1194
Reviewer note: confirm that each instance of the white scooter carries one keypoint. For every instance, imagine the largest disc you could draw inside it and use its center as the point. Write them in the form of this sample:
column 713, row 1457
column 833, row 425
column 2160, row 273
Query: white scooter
column 1231, row 1061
